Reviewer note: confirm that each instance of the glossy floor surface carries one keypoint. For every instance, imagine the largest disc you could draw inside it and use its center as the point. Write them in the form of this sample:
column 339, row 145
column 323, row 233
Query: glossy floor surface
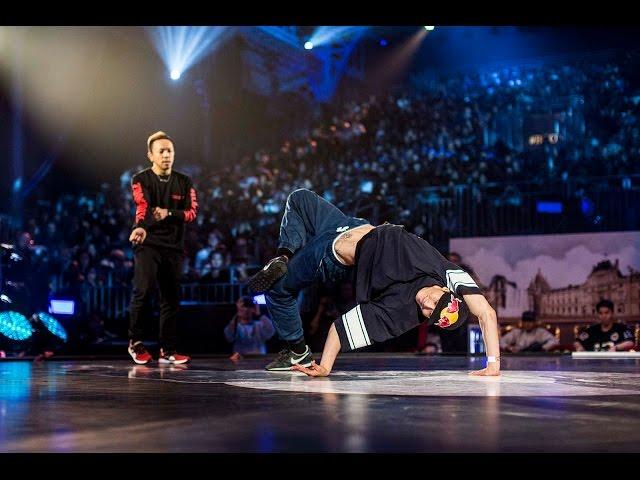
column 370, row 403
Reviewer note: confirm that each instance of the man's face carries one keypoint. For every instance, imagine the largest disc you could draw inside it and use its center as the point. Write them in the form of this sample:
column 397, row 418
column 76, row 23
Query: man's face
column 213, row 240
column 24, row 241
column 428, row 297
column 605, row 315
column 161, row 154
column 244, row 312
column 217, row 261
column 91, row 276
column 455, row 258
column 528, row 325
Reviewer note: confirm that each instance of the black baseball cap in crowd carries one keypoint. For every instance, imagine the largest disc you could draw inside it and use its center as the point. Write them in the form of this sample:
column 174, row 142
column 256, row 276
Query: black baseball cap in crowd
column 247, row 301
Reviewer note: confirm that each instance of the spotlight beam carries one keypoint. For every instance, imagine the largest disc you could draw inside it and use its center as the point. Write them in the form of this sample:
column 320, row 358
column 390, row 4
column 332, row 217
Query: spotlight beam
column 330, row 34
column 182, row 47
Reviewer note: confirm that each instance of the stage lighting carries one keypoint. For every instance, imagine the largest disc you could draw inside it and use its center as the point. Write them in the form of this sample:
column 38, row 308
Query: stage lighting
column 62, row 307
column 332, row 35
column 548, row 207
column 308, row 45
column 15, row 326
column 181, row 47
column 429, row 28
column 53, row 325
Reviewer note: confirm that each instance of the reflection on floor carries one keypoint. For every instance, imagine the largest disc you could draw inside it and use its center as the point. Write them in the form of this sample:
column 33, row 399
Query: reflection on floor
column 370, row 403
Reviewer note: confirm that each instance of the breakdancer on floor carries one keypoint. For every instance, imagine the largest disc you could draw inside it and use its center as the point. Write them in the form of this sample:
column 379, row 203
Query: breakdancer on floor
column 400, row 281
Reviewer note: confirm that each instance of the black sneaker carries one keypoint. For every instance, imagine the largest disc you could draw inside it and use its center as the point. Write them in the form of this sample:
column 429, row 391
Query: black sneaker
column 270, row 274
column 287, row 359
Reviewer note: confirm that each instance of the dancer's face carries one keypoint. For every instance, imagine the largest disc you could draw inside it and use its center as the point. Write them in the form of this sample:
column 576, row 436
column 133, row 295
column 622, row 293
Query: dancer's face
column 161, row 155
column 428, row 297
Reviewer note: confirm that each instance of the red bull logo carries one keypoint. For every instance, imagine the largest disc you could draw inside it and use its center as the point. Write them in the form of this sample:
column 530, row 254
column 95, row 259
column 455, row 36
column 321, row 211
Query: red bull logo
column 449, row 315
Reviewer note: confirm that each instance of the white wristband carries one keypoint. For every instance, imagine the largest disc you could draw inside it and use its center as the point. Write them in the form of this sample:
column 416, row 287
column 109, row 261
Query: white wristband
column 491, row 359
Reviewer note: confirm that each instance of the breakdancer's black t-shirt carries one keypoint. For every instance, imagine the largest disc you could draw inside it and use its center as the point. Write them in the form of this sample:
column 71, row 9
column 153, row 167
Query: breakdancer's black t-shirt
column 391, row 266
column 595, row 340
column 175, row 193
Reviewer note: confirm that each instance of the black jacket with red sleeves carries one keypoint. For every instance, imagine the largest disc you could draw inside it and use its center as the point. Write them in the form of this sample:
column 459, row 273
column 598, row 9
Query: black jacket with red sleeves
column 175, row 193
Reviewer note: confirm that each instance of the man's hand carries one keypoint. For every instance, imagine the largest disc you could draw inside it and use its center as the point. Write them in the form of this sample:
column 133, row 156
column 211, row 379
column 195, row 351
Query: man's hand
column 492, row 370
column 314, row 370
column 138, row 235
column 160, row 213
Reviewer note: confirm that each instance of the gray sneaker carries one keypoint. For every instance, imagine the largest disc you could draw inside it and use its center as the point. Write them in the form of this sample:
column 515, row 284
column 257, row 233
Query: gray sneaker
column 287, row 359
column 270, row 274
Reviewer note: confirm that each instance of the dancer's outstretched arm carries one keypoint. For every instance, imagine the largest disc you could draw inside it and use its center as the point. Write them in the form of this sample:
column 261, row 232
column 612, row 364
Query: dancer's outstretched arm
column 479, row 306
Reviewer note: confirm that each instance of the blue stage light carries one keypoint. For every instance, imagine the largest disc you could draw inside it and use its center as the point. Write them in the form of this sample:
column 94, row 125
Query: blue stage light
column 53, row 325
column 15, row 326
column 327, row 35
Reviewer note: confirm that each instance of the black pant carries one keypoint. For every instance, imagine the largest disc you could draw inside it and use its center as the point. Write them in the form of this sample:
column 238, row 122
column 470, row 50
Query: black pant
column 165, row 266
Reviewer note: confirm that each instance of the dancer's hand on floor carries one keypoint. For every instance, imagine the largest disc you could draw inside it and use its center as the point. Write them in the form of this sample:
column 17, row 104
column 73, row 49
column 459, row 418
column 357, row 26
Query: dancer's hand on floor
column 490, row 371
column 314, row 370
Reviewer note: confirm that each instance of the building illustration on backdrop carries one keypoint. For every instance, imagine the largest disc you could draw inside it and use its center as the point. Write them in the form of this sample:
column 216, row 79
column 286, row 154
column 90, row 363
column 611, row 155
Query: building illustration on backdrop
column 579, row 301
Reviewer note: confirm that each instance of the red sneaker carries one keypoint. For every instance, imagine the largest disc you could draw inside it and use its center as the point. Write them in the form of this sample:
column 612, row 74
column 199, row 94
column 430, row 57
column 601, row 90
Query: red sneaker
column 139, row 354
column 172, row 357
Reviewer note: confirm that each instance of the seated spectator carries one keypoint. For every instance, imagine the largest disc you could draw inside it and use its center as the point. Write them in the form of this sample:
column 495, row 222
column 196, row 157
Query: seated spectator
column 216, row 271
column 429, row 342
column 242, row 270
column 528, row 338
column 248, row 330
column 606, row 336
column 189, row 273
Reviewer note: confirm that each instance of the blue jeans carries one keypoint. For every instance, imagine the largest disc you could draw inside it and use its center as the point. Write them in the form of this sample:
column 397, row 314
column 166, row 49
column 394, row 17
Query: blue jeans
column 308, row 228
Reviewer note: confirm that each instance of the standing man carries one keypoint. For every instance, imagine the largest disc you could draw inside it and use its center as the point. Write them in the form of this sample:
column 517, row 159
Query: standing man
column 165, row 201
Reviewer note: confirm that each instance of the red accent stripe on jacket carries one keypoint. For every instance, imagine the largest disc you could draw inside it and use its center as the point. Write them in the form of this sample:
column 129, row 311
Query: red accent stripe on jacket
column 190, row 215
column 141, row 202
